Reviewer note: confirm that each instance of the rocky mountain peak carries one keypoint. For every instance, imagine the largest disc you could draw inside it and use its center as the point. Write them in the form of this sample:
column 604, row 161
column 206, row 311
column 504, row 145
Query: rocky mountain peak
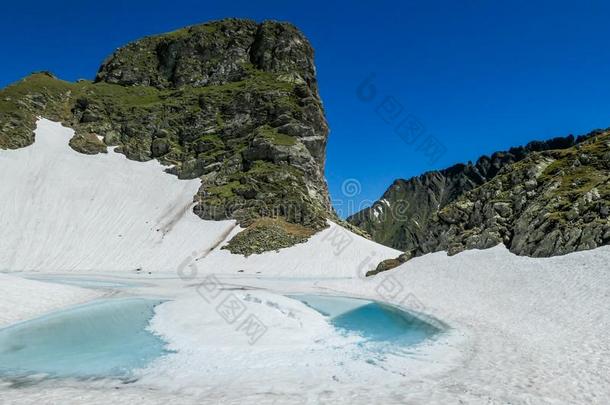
column 232, row 102
column 211, row 54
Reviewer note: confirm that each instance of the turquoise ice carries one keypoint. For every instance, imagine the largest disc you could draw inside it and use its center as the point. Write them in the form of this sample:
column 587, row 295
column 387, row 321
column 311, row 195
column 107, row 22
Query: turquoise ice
column 105, row 338
column 374, row 321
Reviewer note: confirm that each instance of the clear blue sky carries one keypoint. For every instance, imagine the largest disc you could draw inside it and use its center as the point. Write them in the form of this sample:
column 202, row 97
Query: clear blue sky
column 478, row 75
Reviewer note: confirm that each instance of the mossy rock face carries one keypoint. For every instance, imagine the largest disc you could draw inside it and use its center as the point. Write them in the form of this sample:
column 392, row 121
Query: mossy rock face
column 276, row 138
column 210, row 54
column 20, row 104
column 401, row 218
column 390, row 264
column 232, row 102
column 267, row 234
column 543, row 199
column 88, row 144
column 160, row 147
column 550, row 203
column 264, row 189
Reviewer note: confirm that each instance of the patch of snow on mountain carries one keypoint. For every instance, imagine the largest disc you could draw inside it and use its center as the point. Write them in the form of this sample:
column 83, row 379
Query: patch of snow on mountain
column 65, row 211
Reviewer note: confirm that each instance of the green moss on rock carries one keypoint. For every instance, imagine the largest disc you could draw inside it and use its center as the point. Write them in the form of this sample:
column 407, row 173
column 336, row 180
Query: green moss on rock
column 551, row 203
column 267, row 234
column 88, row 144
column 275, row 137
column 197, row 99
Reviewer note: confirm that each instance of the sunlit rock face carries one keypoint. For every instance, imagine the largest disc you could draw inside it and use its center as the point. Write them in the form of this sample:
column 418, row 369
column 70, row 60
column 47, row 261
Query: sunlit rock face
column 547, row 198
column 234, row 103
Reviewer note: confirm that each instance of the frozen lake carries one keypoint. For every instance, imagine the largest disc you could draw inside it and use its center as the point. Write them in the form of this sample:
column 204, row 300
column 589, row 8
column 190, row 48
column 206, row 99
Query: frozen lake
column 104, row 338
column 375, row 322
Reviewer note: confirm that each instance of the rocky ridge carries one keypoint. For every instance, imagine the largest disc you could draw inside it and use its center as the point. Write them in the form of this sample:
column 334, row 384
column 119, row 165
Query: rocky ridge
column 542, row 200
column 233, row 102
column 401, row 217
column 551, row 203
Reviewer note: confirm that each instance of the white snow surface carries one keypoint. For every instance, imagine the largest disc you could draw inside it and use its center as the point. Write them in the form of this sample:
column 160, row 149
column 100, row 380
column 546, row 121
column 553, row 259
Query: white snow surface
column 22, row 299
column 520, row 330
column 72, row 212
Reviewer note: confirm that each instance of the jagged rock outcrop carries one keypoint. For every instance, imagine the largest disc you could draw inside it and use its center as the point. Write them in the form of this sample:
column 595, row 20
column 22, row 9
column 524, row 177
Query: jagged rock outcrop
column 233, row 102
column 211, row 54
column 551, row 203
column 389, row 264
column 400, row 219
column 548, row 201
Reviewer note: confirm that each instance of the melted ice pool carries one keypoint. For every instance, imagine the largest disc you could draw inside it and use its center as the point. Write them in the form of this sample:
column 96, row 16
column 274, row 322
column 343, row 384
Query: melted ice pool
column 373, row 321
column 105, row 338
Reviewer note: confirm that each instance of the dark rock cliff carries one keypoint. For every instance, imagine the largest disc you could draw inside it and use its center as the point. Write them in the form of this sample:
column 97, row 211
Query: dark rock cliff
column 401, row 217
column 212, row 54
column 544, row 199
column 551, row 203
column 233, row 102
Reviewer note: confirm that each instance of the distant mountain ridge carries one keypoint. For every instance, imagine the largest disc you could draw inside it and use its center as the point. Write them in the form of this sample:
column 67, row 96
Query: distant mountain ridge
column 424, row 195
column 494, row 201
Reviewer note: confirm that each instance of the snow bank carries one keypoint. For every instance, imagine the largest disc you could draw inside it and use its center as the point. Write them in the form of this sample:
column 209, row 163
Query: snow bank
column 526, row 331
column 297, row 352
column 523, row 330
column 529, row 331
column 333, row 252
column 65, row 211
column 537, row 328
column 22, row 299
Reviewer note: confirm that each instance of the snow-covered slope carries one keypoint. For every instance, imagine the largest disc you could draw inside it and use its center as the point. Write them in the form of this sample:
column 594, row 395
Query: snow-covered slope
column 68, row 211
column 334, row 252
column 528, row 330
column 521, row 330
column 65, row 211
column 539, row 326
